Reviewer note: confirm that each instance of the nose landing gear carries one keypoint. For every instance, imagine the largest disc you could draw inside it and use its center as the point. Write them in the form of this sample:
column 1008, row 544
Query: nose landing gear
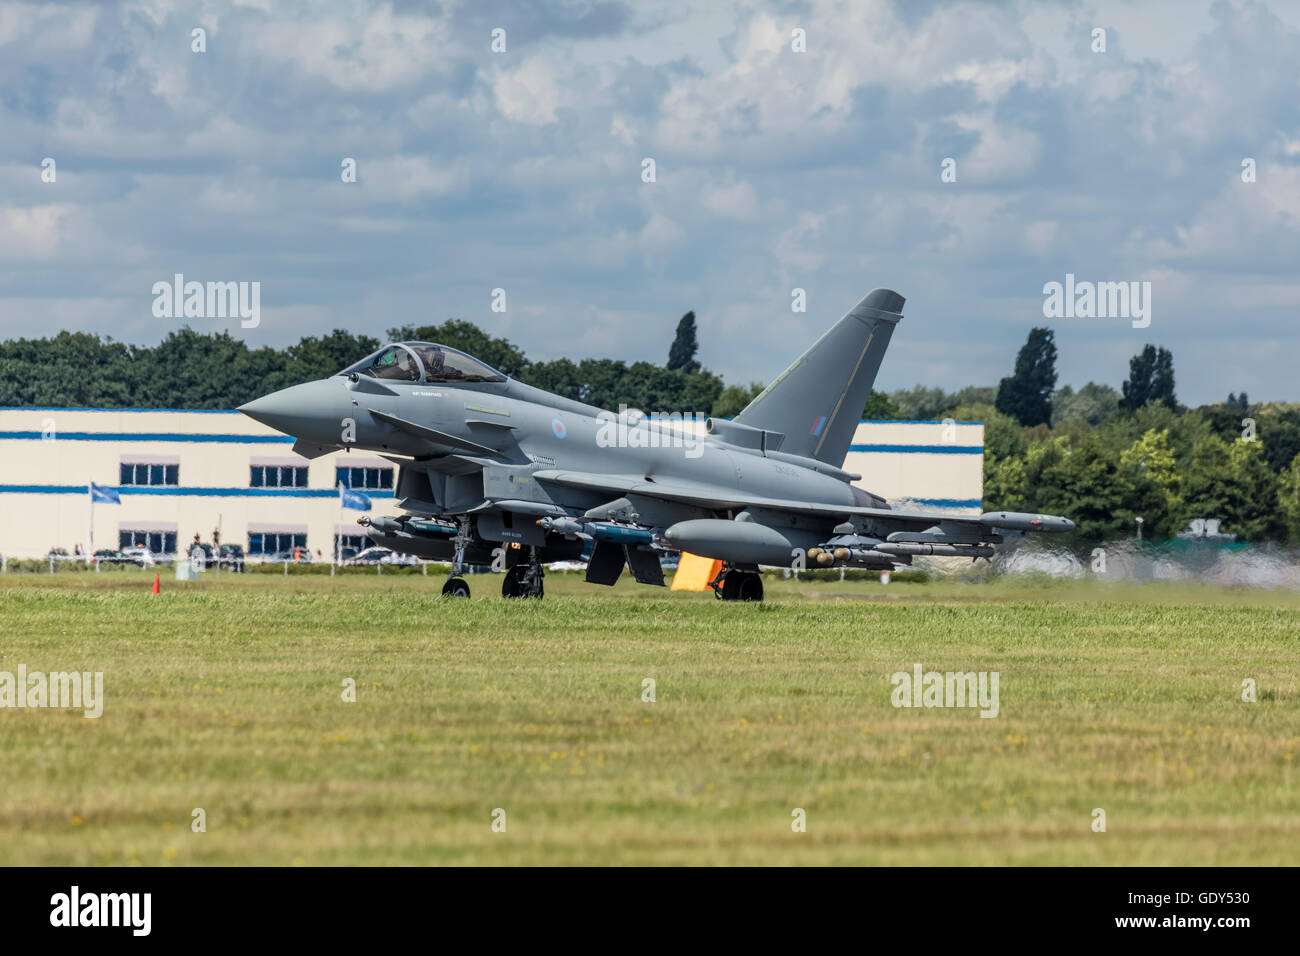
column 456, row 585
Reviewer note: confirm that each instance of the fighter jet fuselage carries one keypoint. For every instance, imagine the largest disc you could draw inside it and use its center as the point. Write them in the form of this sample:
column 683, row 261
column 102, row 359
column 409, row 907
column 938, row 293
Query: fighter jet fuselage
column 491, row 467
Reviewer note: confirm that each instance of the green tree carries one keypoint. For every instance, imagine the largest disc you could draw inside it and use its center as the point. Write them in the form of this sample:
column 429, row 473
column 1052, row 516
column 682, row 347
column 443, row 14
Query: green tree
column 327, row 355
column 1093, row 403
column 1091, row 486
column 1150, row 379
column 1279, row 431
column 1288, row 500
column 1153, row 455
column 1004, row 449
column 880, row 407
column 1232, row 482
column 733, row 399
column 190, row 369
column 561, row 377
column 681, row 355
column 976, row 395
column 72, row 369
column 1026, row 395
column 921, row 403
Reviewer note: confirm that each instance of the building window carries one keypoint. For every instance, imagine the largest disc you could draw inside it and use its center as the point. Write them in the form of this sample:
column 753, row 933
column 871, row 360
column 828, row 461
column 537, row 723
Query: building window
column 365, row 479
column 267, row 543
column 150, row 474
column 278, row 476
column 158, row 542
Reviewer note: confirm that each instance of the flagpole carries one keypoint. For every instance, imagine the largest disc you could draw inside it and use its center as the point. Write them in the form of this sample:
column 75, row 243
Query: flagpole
column 90, row 521
column 338, row 535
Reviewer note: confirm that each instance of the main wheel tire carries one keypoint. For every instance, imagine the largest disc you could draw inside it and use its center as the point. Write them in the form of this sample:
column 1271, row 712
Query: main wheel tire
column 513, row 586
column 510, row 586
column 750, row 588
column 730, row 589
column 456, row 587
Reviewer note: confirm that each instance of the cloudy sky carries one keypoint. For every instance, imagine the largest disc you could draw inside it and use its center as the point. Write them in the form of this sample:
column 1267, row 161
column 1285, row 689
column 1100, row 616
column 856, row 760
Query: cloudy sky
column 774, row 170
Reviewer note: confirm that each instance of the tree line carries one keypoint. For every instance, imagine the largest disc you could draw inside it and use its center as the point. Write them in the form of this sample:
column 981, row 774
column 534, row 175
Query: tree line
column 193, row 370
column 1102, row 456
column 1105, row 457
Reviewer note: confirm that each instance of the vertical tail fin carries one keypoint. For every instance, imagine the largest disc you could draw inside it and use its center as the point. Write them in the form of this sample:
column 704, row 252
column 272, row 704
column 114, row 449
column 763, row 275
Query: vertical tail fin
column 817, row 402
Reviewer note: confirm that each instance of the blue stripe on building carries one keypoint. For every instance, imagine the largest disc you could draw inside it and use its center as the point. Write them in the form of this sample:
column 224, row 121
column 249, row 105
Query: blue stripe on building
column 921, row 449
column 192, row 492
column 911, row 421
column 168, row 411
column 150, row 436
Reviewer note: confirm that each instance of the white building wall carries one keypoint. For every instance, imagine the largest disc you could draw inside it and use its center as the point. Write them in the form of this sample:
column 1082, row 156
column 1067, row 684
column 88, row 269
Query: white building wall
column 49, row 456
column 934, row 466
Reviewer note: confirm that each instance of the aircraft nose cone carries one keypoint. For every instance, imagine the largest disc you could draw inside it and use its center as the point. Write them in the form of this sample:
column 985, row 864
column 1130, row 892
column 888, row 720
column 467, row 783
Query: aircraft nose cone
column 266, row 409
column 303, row 411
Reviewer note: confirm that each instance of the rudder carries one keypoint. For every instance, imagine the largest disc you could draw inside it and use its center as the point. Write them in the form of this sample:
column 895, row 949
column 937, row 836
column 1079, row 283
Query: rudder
column 817, row 402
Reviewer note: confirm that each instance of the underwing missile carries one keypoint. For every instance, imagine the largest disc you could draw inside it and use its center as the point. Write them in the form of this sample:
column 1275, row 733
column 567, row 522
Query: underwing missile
column 939, row 550
column 381, row 523
column 1022, row 521
column 599, row 530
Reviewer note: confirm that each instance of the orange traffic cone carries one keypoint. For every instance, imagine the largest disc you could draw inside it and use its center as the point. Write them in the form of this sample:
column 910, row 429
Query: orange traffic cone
column 156, row 579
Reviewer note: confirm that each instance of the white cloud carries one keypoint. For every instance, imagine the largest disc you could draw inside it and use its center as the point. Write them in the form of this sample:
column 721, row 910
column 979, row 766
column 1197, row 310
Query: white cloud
column 390, row 51
column 528, row 94
column 731, row 201
column 399, row 178
column 31, row 233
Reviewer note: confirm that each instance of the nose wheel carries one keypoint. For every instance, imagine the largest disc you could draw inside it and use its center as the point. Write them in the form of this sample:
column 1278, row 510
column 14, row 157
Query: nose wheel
column 456, row 585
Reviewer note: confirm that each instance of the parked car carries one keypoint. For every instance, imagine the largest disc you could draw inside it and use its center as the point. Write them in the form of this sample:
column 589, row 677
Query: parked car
column 141, row 556
column 108, row 556
column 378, row 555
column 229, row 556
column 303, row 556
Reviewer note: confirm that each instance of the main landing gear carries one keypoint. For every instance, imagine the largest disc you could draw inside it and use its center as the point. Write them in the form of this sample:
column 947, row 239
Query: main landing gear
column 456, row 586
column 734, row 584
column 524, row 580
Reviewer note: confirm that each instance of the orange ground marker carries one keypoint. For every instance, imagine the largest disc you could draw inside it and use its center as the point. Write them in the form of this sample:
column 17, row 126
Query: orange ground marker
column 694, row 573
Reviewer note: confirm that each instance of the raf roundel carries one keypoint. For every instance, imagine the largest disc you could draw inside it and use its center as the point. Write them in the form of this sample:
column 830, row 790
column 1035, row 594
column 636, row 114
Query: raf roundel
column 557, row 426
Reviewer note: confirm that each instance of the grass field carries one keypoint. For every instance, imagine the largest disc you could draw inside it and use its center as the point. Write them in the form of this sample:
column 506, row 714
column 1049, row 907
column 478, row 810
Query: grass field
column 227, row 696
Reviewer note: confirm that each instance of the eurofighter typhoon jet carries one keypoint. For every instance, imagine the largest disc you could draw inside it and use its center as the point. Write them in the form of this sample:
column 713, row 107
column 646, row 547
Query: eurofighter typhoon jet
column 492, row 468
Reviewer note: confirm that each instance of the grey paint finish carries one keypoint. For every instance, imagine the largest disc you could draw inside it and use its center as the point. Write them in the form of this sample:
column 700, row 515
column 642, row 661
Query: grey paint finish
column 756, row 490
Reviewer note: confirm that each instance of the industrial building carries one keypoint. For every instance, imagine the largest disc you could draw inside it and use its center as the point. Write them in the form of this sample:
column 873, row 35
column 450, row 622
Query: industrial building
column 181, row 473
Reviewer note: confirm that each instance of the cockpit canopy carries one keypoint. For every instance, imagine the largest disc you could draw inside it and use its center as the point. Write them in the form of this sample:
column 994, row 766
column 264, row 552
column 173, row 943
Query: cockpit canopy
column 424, row 362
